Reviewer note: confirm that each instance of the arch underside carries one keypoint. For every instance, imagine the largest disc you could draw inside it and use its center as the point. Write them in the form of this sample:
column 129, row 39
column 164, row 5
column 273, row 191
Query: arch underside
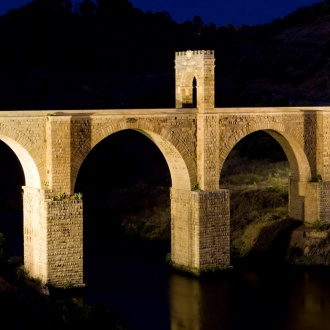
column 299, row 164
column 180, row 174
column 177, row 166
column 298, row 161
column 31, row 173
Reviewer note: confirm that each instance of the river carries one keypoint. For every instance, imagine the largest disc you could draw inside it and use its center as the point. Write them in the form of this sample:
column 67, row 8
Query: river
column 134, row 280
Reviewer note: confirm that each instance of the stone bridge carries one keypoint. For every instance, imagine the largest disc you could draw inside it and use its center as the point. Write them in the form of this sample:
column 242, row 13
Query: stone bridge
column 195, row 139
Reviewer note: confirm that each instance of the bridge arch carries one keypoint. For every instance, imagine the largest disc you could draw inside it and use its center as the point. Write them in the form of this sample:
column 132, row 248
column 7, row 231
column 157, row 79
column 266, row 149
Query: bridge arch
column 180, row 162
column 298, row 161
column 177, row 166
column 181, row 170
column 31, row 173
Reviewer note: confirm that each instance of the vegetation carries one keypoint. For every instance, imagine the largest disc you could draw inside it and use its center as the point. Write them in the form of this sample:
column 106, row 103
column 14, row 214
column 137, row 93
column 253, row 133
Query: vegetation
column 320, row 225
column 31, row 300
column 297, row 257
column 61, row 196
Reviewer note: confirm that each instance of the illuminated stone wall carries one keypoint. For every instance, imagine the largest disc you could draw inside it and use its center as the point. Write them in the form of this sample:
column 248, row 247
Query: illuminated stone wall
column 65, row 243
column 53, row 238
column 198, row 64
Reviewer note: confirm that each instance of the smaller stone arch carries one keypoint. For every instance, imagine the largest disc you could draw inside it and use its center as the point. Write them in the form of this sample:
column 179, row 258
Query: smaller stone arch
column 297, row 158
column 299, row 165
column 31, row 173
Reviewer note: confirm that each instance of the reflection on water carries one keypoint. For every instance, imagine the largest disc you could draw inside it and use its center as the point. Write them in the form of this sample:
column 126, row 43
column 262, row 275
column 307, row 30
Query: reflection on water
column 256, row 297
column 193, row 304
column 309, row 301
column 281, row 298
column 185, row 298
column 134, row 280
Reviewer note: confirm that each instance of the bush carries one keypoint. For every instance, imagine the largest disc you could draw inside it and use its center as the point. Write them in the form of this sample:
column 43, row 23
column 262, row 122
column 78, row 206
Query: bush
column 319, row 225
column 296, row 257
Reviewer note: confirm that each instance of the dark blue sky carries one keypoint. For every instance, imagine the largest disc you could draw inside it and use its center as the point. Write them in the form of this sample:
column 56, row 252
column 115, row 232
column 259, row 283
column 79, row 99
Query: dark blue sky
column 220, row 12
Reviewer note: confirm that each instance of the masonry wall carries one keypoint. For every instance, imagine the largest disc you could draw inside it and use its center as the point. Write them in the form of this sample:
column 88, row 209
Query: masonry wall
column 211, row 223
column 182, row 235
column 322, row 150
column 325, row 202
column 53, row 238
column 58, row 136
column 35, row 233
column 317, row 202
column 65, row 242
column 200, row 230
column 208, row 170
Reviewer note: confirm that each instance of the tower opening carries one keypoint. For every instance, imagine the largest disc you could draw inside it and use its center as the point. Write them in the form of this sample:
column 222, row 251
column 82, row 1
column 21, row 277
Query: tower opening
column 194, row 94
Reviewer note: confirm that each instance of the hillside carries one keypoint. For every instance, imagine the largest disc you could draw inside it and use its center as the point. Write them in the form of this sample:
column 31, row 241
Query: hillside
column 117, row 56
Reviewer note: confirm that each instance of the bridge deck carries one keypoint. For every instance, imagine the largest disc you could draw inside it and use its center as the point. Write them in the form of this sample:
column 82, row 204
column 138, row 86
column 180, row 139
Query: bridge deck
column 148, row 112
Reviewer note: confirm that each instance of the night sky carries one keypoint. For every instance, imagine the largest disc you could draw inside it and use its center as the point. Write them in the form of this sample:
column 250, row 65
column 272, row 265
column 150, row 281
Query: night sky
column 220, row 12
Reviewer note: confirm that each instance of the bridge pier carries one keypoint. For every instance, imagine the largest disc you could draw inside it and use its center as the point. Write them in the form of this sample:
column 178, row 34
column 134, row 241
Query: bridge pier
column 317, row 202
column 297, row 199
column 309, row 201
column 200, row 230
column 53, row 238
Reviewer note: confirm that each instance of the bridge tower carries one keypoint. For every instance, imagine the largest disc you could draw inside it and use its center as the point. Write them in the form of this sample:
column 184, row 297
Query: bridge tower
column 200, row 217
column 194, row 79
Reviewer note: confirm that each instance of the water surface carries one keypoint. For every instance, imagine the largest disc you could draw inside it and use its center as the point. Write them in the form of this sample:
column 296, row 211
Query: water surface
column 133, row 279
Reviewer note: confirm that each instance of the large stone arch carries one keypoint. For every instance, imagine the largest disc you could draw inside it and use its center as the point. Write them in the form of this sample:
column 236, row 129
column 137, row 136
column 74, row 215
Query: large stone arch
column 31, row 173
column 180, row 162
column 177, row 166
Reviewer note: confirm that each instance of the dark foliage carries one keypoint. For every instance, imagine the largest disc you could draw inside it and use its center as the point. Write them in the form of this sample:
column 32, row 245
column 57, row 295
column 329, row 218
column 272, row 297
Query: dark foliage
column 107, row 54
column 23, row 296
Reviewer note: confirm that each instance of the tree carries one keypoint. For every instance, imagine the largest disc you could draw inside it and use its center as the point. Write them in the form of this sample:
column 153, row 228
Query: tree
column 87, row 8
column 114, row 9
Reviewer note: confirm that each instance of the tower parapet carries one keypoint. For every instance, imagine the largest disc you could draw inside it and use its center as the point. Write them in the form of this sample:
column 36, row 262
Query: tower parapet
column 189, row 53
